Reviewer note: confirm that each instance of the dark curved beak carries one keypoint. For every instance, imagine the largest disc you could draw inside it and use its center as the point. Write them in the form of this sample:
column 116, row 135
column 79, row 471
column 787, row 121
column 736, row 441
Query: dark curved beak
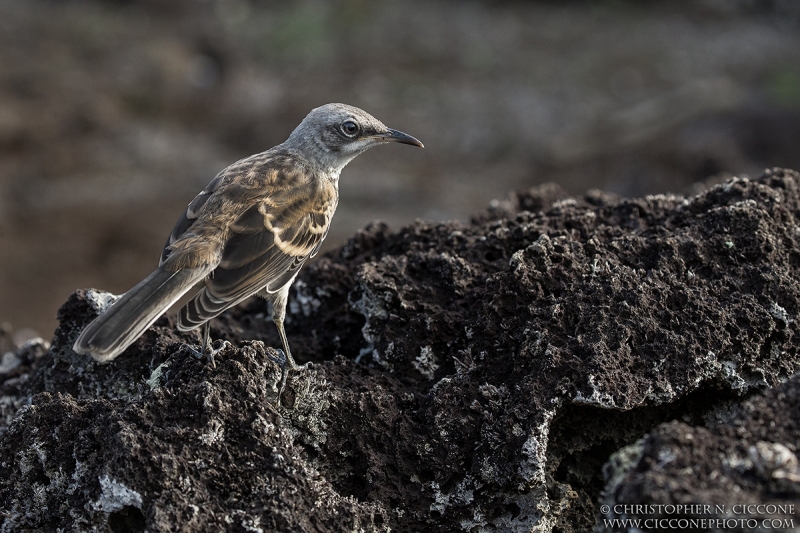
column 399, row 137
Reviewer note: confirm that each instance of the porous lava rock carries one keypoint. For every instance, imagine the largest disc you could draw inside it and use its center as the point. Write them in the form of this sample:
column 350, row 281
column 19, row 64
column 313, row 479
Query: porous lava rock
column 738, row 472
column 466, row 377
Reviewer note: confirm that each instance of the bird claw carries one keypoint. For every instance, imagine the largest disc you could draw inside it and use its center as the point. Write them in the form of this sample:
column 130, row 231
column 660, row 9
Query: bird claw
column 193, row 352
column 208, row 353
column 214, row 351
column 299, row 368
column 282, row 361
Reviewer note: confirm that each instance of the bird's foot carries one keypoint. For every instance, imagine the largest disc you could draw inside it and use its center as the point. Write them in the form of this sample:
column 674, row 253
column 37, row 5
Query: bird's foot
column 193, row 352
column 299, row 368
column 211, row 351
column 208, row 352
column 286, row 364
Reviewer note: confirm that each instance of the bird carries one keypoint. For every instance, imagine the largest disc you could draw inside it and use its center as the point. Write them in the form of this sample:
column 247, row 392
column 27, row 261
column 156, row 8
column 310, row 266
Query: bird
column 250, row 231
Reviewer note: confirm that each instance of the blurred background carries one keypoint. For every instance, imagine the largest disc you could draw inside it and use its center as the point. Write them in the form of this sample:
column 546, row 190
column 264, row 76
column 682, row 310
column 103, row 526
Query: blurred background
column 114, row 114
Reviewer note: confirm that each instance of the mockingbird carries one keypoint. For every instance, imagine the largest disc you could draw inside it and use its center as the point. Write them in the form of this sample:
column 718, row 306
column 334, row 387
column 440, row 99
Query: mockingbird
column 248, row 232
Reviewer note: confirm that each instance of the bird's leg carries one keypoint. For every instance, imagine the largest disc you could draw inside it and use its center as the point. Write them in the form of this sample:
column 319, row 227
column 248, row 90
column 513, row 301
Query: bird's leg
column 207, row 352
column 205, row 334
column 278, row 315
column 287, row 359
column 206, row 337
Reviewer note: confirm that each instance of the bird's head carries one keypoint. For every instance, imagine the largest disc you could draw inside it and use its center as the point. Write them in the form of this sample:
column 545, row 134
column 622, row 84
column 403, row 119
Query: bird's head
column 333, row 134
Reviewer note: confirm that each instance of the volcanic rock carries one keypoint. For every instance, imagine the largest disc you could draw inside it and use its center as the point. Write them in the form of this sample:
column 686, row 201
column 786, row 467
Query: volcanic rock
column 466, row 377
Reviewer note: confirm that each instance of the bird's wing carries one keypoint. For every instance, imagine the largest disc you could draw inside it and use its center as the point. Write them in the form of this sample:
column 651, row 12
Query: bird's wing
column 266, row 245
column 190, row 215
column 271, row 240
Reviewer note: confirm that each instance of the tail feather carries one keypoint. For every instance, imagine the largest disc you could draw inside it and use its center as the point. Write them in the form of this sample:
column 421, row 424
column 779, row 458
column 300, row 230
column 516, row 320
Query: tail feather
column 202, row 308
column 122, row 323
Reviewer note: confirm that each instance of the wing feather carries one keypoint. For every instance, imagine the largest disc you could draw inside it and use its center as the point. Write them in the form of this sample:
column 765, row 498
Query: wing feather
column 268, row 243
column 190, row 215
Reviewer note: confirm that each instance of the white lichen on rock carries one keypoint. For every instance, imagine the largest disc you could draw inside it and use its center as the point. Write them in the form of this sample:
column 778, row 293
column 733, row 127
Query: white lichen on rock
column 426, row 362
column 154, row 381
column 534, row 451
column 101, row 300
column 779, row 313
column 115, row 495
column 597, row 398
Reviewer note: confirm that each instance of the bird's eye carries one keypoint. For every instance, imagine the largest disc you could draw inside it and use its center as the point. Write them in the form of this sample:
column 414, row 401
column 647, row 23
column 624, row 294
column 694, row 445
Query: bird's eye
column 349, row 128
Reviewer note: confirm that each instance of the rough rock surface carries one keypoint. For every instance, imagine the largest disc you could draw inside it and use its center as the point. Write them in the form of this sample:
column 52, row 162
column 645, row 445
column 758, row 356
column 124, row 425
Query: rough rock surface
column 466, row 377
column 739, row 472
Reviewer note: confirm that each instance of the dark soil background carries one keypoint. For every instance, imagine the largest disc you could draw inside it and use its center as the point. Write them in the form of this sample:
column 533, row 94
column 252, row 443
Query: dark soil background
column 113, row 114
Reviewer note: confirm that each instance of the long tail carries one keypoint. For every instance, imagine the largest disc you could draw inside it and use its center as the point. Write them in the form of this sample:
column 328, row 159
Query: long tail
column 122, row 323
